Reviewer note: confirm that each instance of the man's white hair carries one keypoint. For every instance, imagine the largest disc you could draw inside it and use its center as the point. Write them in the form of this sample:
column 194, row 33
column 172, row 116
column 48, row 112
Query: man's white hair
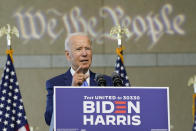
column 67, row 40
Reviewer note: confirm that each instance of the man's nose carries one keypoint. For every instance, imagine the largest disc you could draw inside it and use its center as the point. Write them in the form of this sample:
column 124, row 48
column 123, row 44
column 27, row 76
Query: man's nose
column 84, row 52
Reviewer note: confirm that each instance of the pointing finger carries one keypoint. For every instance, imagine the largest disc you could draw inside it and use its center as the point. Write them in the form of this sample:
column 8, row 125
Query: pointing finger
column 79, row 70
column 86, row 76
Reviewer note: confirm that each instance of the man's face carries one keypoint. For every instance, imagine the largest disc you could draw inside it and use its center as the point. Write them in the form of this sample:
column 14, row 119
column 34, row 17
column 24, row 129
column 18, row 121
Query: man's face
column 80, row 54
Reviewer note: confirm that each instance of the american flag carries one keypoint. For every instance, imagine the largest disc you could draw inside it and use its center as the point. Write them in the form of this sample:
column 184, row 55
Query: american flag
column 120, row 68
column 12, row 113
column 194, row 125
column 194, row 105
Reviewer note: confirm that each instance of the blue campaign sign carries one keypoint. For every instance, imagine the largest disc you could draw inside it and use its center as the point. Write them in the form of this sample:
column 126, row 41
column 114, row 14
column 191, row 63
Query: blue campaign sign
column 111, row 109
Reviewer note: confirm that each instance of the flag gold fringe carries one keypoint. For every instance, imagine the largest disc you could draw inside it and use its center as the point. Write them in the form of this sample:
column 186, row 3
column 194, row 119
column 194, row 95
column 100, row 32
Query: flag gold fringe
column 119, row 52
column 10, row 52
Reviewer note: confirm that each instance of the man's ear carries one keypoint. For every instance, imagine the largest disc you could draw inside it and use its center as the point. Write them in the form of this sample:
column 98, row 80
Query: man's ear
column 67, row 54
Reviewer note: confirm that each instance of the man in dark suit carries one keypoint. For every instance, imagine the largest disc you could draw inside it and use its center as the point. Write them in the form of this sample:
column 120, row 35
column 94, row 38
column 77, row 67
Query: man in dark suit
column 78, row 52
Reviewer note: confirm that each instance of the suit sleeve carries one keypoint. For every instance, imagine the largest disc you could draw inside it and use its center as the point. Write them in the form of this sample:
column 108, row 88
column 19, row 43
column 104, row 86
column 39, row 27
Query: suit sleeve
column 49, row 103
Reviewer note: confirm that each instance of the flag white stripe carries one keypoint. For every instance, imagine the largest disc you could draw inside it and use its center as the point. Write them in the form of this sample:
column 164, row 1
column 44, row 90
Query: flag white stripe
column 22, row 129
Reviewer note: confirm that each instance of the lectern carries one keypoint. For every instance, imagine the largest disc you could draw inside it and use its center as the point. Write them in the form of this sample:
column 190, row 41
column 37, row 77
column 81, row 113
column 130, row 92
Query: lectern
column 111, row 109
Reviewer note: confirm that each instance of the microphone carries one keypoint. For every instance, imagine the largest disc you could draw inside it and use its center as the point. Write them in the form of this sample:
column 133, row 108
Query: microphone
column 100, row 80
column 117, row 81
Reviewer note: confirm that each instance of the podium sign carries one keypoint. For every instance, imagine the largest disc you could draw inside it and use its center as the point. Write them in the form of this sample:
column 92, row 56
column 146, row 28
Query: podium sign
column 111, row 109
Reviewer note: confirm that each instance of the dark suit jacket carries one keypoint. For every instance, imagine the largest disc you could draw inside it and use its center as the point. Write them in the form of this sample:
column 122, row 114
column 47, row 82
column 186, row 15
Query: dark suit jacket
column 65, row 80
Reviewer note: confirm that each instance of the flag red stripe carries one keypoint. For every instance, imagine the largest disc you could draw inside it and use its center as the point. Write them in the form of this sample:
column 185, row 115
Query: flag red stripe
column 27, row 127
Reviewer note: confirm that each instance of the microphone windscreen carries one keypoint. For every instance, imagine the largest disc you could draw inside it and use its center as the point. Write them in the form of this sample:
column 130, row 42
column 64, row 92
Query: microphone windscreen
column 100, row 79
column 114, row 74
column 117, row 81
column 98, row 76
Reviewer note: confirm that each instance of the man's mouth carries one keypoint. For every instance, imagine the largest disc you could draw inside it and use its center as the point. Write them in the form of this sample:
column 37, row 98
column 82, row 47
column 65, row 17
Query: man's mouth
column 83, row 61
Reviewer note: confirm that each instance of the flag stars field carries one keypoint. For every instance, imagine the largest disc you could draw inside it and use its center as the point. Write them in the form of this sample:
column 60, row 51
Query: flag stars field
column 15, row 97
column 13, row 118
column 19, row 114
column 18, row 121
column 14, row 104
column 5, row 84
column 1, row 105
column 12, row 73
column 1, row 113
column 6, row 77
column 5, row 122
column 12, row 113
column 7, row 108
column 10, row 94
column 4, row 91
column 120, row 69
column 11, row 80
column 12, row 125
column 7, row 115
column 2, row 98
column 8, row 63
column 16, row 90
column 7, row 70
column 20, row 107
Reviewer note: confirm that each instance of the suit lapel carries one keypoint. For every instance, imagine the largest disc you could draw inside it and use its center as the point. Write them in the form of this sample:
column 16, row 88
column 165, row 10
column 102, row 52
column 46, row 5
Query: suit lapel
column 68, row 77
column 92, row 79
